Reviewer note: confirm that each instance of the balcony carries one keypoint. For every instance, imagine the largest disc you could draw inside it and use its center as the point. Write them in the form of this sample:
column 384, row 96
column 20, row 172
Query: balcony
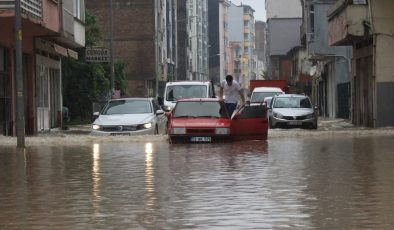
column 346, row 23
column 31, row 8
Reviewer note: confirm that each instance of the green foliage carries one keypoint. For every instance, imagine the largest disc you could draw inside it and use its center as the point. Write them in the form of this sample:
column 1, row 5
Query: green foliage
column 92, row 30
column 83, row 83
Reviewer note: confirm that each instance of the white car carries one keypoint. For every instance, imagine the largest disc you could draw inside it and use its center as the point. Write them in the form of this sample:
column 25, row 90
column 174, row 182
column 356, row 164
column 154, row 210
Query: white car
column 130, row 116
column 186, row 89
column 292, row 110
column 260, row 93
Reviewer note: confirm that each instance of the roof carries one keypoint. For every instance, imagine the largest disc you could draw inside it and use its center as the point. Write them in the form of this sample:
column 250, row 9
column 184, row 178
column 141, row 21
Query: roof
column 132, row 98
column 291, row 95
column 198, row 99
column 267, row 89
column 188, row 83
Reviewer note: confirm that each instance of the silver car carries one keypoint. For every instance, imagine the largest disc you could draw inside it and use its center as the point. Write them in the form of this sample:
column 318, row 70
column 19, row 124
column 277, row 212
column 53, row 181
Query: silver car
column 129, row 116
column 292, row 110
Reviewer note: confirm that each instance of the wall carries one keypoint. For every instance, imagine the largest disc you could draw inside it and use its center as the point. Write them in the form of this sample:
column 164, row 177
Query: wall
column 319, row 43
column 283, row 35
column 383, row 21
column 236, row 23
column 260, row 39
column 134, row 33
column 283, row 9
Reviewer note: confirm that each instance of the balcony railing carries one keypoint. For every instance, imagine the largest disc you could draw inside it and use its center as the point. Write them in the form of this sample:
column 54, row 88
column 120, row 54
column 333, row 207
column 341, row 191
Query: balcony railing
column 30, row 7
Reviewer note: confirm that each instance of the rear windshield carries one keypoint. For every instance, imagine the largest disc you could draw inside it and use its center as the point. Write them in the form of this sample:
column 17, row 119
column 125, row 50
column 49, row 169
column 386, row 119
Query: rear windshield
column 259, row 96
column 176, row 92
column 127, row 107
column 200, row 109
column 292, row 102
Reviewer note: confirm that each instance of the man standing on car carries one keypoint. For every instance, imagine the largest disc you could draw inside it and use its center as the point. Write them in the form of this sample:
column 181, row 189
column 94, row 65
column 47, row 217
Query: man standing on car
column 231, row 90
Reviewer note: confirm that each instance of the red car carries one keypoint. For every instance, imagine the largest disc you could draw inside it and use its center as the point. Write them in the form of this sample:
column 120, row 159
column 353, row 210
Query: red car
column 207, row 120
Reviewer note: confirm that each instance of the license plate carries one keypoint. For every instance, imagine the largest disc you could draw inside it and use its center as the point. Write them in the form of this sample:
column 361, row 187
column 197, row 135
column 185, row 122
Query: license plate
column 120, row 134
column 295, row 122
column 200, row 139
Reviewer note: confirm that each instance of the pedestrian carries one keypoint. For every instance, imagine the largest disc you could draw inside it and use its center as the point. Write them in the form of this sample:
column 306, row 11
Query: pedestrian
column 231, row 91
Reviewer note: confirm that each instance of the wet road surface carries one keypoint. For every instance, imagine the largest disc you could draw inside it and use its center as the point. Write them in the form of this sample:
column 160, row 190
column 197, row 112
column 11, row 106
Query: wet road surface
column 335, row 182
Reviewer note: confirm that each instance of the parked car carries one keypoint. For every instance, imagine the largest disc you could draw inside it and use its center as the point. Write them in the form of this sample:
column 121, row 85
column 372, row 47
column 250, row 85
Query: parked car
column 260, row 93
column 292, row 110
column 129, row 116
column 186, row 89
column 207, row 120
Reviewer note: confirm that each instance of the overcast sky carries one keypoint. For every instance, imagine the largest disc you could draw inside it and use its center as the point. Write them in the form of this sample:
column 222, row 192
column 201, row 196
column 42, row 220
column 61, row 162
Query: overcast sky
column 257, row 5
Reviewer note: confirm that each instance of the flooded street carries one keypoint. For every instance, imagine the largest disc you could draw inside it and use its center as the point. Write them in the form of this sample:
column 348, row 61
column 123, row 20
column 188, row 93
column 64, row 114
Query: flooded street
column 288, row 182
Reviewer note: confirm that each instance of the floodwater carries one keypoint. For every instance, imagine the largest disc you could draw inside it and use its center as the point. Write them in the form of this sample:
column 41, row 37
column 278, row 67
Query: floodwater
column 328, row 182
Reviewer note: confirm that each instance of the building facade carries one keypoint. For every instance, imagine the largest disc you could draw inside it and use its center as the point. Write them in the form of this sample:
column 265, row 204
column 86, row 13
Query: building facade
column 331, row 65
column 50, row 31
column 282, row 34
column 260, row 48
column 242, row 31
column 192, row 36
column 144, row 38
column 218, row 15
column 367, row 26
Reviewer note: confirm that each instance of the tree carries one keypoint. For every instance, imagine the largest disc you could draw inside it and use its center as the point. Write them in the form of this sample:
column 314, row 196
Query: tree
column 83, row 83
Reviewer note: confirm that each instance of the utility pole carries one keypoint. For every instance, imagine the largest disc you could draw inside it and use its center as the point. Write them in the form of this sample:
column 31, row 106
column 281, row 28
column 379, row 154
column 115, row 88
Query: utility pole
column 156, row 17
column 111, row 55
column 20, row 111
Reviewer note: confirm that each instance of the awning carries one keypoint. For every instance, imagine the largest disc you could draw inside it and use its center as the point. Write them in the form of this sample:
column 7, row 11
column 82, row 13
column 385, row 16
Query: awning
column 60, row 50
column 72, row 53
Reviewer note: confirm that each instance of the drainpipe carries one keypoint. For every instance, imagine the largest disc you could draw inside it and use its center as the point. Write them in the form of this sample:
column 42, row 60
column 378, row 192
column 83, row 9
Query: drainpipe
column 156, row 49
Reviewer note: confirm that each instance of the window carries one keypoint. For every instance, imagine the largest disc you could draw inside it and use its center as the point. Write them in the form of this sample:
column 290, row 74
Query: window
column 79, row 9
column 312, row 18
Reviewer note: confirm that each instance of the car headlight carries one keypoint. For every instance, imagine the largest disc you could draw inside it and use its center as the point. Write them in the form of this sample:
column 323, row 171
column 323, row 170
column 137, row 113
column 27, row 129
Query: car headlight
column 147, row 125
column 278, row 115
column 222, row 131
column 95, row 127
column 179, row 131
column 144, row 126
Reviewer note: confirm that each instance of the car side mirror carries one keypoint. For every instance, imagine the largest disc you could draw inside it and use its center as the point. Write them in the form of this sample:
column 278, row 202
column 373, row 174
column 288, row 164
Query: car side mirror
column 95, row 115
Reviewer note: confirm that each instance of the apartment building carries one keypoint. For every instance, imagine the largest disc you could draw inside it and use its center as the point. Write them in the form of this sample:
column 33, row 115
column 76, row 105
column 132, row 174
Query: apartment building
column 282, row 34
column 331, row 64
column 242, row 30
column 50, row 30
column 144, row 38
column 219, row 48
column 368, row 27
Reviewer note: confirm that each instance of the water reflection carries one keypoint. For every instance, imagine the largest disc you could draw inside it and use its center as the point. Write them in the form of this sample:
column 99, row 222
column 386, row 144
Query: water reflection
column 96, row 177
column 149, row 177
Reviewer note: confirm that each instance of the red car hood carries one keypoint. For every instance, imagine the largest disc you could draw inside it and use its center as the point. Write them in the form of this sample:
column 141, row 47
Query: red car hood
column 201, row 122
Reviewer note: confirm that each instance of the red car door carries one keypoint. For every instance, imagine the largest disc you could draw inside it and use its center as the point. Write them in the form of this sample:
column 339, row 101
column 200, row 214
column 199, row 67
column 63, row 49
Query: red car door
column 250, row 123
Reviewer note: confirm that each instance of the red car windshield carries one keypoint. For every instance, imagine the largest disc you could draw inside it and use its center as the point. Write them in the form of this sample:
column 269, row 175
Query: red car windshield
column 200, row 109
